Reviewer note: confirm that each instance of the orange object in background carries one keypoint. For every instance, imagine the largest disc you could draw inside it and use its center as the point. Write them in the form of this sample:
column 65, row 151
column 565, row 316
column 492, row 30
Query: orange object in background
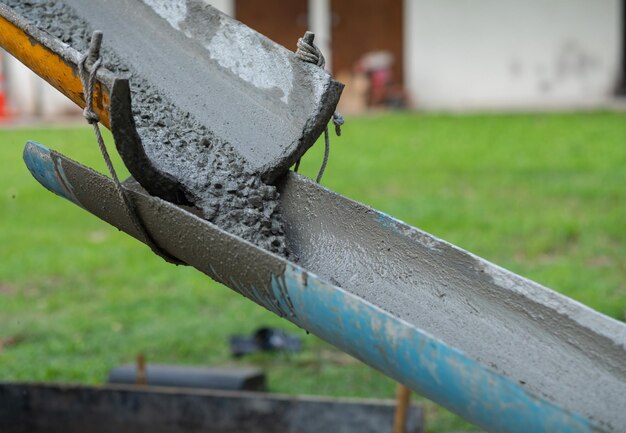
column 4, row 111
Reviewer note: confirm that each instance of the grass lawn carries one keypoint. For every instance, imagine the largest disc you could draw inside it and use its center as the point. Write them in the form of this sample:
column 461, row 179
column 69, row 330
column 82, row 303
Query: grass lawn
column 543, row 195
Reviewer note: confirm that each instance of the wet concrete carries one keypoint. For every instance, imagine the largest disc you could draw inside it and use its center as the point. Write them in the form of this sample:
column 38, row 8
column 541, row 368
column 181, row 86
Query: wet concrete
column 553, row 346
column 221, row 129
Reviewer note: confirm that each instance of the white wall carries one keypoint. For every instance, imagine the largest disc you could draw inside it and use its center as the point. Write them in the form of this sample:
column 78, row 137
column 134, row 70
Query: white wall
column 320, row 24
column 511, row 53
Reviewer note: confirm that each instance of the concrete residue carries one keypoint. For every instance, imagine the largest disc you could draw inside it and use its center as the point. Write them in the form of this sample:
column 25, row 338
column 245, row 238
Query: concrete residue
column 216, row 179
column 173, row 12
column 258, row 67
column 229, row 41
column 513, row 326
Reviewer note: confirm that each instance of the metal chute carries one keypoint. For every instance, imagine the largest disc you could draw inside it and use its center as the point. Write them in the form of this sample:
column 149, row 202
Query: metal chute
column 505, row 353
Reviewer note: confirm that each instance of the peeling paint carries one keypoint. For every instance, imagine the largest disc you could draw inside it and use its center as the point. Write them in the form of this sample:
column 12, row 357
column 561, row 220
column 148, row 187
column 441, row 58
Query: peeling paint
column 48, row 171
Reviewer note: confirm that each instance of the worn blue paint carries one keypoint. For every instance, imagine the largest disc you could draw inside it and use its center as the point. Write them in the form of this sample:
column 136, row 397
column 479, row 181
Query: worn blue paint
column 419, row 360
column 43, row 167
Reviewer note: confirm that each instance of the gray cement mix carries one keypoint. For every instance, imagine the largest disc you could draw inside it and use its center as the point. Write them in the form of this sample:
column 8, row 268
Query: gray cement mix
column 217, row 180
column 553, row 346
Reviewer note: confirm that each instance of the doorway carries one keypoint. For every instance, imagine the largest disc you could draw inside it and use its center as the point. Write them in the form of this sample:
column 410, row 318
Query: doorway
column 281, row 21
column 384, row 23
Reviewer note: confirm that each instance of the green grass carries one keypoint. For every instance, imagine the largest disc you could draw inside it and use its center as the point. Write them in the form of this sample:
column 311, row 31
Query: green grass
column 542, row 195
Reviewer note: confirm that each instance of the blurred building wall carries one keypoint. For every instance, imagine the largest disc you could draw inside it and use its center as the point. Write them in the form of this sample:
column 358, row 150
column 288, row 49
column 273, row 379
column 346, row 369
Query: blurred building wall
column 469, row 54
column 511, row 53
column 456, row 54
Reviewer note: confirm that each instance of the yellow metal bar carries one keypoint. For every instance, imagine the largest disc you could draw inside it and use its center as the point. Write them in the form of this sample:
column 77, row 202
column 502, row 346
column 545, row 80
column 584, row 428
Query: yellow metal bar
column 51, row 67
